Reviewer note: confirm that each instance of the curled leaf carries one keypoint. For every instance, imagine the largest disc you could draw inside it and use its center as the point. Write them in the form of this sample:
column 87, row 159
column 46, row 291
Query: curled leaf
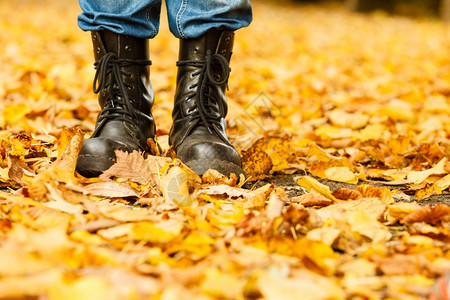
column 432, row 214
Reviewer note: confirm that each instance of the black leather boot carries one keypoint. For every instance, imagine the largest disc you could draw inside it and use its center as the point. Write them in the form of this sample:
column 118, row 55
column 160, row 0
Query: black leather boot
column 198, row 133
column 126, row 98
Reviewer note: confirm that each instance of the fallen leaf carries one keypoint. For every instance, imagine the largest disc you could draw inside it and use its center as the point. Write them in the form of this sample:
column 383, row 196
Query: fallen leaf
column 430, row 214
column 383, row 193
column 256, row 163
column 130, row 166
column 310, row 184
column 373, row 207
column 174, row 186
column 277, row 199
column 347, row 194
column 367, row 225
column 313, row 198
column 341, row 174
column 429, row 190
column 304, row 285
column 161, row 232
column 419, row 176
column 111, row 189
column 349, row 120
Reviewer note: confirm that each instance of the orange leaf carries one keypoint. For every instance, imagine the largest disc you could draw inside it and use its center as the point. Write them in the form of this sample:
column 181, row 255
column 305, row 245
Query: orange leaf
column 429, row 214
column 347, row 194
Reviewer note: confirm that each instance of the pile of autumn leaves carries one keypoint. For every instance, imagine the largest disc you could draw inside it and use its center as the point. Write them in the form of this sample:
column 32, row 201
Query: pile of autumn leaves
column 328, row 106
column 159, row 229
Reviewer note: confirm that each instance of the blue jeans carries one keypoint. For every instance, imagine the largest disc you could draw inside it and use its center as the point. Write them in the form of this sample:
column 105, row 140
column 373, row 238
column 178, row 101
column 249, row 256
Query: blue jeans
column 187, row 18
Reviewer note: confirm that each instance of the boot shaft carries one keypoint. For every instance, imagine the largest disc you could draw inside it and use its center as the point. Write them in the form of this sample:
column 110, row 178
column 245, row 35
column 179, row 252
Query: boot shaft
column 218, row 42
column 201, row 83
column 188, row 79
column 137, row 78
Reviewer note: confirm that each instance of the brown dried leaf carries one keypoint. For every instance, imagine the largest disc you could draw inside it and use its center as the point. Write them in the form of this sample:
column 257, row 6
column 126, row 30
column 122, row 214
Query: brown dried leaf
column 111, row 189
column 256, row 163
column 212, row 176
column 129, row 166
column 399, row 264
column 369, row 191
column 16, row 167
column 347, row 194
column 432, row 214
column 313, row 198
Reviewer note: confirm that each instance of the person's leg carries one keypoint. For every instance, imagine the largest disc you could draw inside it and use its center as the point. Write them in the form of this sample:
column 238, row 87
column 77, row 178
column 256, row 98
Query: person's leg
column 192, row 19
column 122, row 79
column 137, row 18
column 206, row 32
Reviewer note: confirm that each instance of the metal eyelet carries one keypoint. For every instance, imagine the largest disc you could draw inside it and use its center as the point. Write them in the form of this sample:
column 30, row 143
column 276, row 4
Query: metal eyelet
column 128, row 48
column 98, row 49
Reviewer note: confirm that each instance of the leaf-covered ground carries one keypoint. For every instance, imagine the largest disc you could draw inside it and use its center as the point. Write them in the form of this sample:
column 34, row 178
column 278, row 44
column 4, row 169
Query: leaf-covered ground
column 317, row 94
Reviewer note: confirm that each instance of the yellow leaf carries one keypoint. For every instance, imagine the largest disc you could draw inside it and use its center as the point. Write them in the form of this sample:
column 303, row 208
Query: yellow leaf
column 14, row 114
column 326, row 235
column 368, row 226
column 197, row 244
column 429, row 190
column 87, row 288
column 342, row 118
column 371, row 132
column 419, row 176
column 161, row 232
column 398, row 110
column 444, row 182
column 341, row 174
column 310, row 184
column 222, row 285
column 86, row 237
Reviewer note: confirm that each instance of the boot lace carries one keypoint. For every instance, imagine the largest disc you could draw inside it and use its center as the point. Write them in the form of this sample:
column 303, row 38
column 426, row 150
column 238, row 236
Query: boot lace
column 207, row 109
column 118, row 105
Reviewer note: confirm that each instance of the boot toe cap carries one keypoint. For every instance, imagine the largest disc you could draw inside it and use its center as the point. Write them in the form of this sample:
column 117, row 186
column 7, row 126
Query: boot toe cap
column 203, row 156
column 96, row 156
